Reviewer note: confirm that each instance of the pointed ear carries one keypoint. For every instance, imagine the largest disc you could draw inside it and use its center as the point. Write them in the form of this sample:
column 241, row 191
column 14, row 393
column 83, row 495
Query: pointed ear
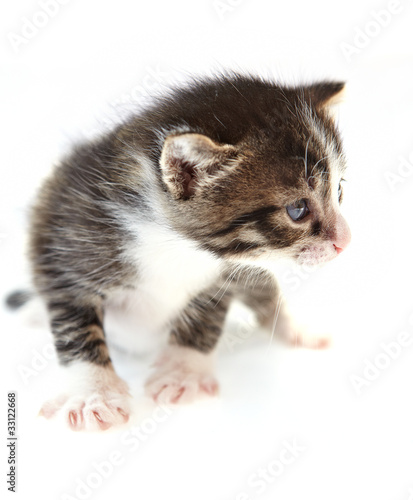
column 325, row 94
column 191, row 161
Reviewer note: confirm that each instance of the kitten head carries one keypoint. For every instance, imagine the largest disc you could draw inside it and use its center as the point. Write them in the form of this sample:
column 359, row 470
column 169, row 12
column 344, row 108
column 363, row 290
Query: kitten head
column 274, row 189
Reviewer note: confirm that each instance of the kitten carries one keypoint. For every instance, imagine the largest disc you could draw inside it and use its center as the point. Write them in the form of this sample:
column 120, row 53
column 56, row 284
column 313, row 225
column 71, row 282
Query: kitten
column 168, row 215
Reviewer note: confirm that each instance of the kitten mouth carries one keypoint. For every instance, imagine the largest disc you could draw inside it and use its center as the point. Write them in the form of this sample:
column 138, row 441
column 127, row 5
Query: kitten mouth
column 313, row 256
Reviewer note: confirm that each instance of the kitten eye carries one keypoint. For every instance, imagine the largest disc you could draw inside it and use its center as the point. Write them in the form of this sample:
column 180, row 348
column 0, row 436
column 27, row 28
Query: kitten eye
column 340, row 190
column 298, row 210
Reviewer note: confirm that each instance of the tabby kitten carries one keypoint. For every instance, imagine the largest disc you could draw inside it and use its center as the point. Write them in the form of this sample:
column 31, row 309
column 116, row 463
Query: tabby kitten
column 168, row 214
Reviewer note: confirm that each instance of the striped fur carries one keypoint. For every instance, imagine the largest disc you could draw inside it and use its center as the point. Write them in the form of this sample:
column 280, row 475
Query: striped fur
column 165, row 211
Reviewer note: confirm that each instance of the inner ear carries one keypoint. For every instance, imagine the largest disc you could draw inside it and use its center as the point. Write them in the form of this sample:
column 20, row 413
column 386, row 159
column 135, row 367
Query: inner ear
column 191, row 161
column 326, row 94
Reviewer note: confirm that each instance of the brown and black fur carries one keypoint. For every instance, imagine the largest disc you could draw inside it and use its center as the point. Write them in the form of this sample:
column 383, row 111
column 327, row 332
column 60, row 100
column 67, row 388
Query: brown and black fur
column 77, row 241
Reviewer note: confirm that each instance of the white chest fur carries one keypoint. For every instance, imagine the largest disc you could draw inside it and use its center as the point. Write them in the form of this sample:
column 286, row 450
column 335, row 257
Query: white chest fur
column 171, row 270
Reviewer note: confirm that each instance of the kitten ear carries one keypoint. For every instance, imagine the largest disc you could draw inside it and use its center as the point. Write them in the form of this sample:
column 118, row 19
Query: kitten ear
column 191, row 161
column 325, row 94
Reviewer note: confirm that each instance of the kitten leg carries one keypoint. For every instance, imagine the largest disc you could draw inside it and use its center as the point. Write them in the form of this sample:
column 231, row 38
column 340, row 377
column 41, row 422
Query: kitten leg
column 95, row 398
column 259, row 291
column 285, row 326
column 273, row 314
column 184, row 371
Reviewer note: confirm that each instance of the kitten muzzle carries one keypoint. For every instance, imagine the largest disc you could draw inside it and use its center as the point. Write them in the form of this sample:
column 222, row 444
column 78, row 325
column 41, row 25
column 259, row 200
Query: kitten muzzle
column 342, row 234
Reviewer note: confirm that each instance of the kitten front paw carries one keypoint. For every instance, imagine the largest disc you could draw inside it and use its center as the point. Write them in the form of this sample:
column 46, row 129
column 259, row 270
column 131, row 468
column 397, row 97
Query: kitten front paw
column 294, row 332
column 180, row 387
column 92, row 412
column 301, row 337
column 95, row 400
column 182, row 376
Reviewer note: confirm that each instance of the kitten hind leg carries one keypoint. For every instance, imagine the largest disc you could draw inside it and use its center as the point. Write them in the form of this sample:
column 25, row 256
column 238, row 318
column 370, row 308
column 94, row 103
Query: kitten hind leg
column 95, row 398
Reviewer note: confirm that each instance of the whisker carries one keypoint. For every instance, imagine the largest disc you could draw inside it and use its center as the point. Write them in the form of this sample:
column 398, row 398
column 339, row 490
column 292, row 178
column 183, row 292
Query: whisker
column 277, row 313
column 305, row 160
column 226, row 284
column 312, row 170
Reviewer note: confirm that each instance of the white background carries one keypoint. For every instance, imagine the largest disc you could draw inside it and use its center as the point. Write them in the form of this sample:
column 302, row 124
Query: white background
column 67, row 81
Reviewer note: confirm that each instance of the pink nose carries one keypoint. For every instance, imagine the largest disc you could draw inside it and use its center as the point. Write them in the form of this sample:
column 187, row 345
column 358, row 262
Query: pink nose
column 342, row 234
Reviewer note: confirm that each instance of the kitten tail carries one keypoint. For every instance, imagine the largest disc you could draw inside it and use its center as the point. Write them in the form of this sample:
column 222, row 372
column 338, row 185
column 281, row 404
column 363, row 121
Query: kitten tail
column 18, row 298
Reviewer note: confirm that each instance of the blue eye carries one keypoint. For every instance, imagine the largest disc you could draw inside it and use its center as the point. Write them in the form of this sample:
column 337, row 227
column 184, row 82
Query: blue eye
column 340, row 191
column 298, row 210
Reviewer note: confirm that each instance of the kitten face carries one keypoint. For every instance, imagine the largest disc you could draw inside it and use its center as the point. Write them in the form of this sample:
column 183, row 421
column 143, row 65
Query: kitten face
column 275, row 193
